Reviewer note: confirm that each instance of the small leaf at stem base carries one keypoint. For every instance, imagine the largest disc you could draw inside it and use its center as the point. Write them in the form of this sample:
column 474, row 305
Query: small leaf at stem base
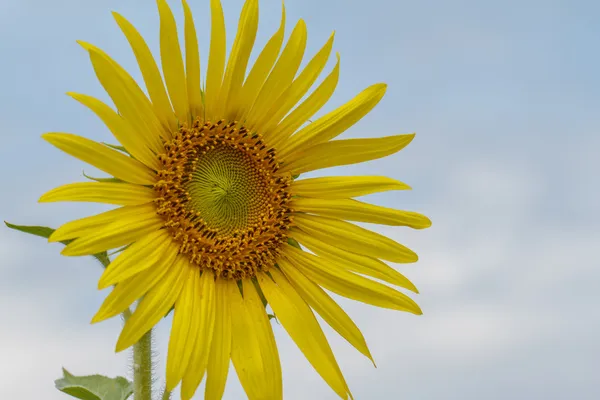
column 94, row 387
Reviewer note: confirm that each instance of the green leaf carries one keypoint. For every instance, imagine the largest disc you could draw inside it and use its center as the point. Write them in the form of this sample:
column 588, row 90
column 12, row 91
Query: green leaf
column 94, row 387
column 45, row 232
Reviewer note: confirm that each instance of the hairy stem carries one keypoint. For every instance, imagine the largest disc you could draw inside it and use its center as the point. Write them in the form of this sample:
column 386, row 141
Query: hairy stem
column 142, row 368
column 142, row 357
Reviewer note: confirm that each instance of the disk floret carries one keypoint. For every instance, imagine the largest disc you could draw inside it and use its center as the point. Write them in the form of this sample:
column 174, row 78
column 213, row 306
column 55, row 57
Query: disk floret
column 222, row 198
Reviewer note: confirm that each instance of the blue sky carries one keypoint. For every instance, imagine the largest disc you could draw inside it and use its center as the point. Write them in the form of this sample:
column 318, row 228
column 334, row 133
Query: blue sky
column 504, row 99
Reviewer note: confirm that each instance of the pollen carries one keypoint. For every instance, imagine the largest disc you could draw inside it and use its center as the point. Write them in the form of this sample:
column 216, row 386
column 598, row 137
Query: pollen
column 222, row 198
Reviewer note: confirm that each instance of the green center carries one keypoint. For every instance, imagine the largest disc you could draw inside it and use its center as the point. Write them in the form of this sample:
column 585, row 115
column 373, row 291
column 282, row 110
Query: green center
column 227, row 189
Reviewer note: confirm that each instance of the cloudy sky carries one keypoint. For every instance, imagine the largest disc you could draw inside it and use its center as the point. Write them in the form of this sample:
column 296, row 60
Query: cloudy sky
column 504, row 97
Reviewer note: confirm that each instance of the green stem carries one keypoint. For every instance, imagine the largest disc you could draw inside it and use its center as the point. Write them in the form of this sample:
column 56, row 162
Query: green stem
column 142, row 368
column 142, row 358
column 166, row 395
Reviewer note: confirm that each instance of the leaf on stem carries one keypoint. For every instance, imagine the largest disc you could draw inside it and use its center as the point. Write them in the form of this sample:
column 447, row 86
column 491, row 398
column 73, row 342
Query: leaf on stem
column 94, row 387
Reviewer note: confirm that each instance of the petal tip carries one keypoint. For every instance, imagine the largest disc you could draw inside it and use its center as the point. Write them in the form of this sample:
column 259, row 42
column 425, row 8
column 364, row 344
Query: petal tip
column 426, row 223
column 68, row 251
column 103, row 283
column 53, row 238
column 87, row 46
column 416, row 310
column 97, row 318
column 121, row 346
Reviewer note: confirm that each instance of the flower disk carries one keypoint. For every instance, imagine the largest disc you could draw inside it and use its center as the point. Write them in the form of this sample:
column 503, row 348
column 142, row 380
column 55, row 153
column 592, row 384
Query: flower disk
column 222, row 199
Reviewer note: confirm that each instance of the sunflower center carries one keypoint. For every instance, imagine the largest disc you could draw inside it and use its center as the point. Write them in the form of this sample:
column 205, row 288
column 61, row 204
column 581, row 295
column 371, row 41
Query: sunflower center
column 227, row 189
column 222, row 198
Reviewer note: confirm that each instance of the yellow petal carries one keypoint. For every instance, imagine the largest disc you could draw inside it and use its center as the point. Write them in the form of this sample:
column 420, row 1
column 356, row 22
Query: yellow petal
column 116, row 234
column 351, row 261
column 297, row 89
column 348, row 284
column 151, row 74
column 302, row 326
column 153, row 307
column 85, row 226
column 185, row 325
column 130, row 290
column 131, row 102
column 216, row 59
column 259, row 323
column 331, row 125
column 344, row 152
column 204, row 333
column 172, row 62
column 102, row 157
column 122, row 194
column 281, row 76
column 192, row 64
column 143, row 254
column 253, row 350
column 343, row 187
column 220, row 352
column 308, row 107
column 327, row 308
column 354, row 210
column 238, row 60
column 260, row 70
column 121, row 130
column 353, row 238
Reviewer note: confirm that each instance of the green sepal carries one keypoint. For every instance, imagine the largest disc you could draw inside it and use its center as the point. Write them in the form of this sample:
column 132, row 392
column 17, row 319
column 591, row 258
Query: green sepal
column 260, row 292
column 42, row 231
column 94, row 387
column 294, row 243
column 111, row 180
column 119, row 250
column 170, row 311
column 114, row 146
column 45, row 232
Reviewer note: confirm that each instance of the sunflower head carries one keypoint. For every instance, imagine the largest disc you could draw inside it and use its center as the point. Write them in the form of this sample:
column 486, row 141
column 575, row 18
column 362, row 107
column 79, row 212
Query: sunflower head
column 210, row 211
column 222, row 198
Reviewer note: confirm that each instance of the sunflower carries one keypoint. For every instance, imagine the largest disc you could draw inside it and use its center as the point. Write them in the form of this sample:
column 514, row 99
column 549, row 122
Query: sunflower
column 211, row 214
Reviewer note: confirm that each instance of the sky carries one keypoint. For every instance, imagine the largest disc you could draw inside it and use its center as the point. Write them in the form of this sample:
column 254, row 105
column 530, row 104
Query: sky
column 504, row 98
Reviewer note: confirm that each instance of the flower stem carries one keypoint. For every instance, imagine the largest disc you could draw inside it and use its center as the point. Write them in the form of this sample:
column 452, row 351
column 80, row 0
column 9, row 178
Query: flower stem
column 142, row 357
column 166, row 395
column 142, row 368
